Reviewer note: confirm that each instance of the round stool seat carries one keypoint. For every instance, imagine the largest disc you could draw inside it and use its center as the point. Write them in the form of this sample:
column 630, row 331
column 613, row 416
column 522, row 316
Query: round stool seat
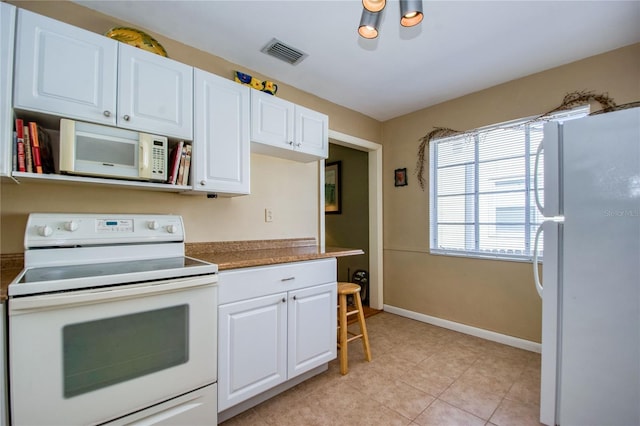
column 348, row 288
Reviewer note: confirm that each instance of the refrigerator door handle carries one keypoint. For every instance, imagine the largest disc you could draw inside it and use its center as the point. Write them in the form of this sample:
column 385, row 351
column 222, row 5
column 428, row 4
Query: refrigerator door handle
column 536, row 275
column 535, row 177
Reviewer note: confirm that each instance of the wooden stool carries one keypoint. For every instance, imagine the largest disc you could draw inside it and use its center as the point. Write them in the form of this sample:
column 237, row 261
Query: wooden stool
column 344, row 290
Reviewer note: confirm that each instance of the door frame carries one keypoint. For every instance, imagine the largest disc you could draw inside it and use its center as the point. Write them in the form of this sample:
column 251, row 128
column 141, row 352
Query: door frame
column 374, row 151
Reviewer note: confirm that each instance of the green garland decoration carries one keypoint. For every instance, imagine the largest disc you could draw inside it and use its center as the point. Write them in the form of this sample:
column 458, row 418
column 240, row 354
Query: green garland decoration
column 571, row 100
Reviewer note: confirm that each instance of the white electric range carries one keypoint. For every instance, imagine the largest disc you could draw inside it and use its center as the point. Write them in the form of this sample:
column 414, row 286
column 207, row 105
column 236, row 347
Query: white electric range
column 110, row 323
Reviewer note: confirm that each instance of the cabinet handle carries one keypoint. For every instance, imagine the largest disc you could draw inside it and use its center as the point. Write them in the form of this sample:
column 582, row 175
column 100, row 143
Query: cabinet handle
column 288, row 279
column 284, row 300
column 107, row 113
column 126, row 117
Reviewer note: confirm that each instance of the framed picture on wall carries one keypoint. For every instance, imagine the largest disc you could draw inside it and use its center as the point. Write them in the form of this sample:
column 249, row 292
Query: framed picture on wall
column 400, row 176
column 332, row 188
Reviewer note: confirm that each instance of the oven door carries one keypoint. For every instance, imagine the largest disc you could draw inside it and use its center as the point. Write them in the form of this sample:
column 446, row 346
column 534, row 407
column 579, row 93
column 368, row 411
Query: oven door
column 90, row 356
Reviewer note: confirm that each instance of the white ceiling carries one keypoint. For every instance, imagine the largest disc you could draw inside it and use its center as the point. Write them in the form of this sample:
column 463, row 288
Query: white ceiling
column 460, row 47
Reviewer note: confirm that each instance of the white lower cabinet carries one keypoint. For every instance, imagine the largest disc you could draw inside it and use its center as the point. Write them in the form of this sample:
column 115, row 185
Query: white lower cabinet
column 275, row 323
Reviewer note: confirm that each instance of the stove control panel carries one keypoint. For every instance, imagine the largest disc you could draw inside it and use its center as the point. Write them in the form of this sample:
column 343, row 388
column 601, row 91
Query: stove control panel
column 71, row 230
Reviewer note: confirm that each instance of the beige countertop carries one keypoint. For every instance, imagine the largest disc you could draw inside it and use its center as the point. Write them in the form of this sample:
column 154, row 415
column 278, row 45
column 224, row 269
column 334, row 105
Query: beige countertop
column 243, row 254
column 226, row 254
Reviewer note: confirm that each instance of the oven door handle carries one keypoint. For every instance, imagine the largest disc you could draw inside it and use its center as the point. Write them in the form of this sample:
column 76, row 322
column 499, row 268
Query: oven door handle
column 30, row 304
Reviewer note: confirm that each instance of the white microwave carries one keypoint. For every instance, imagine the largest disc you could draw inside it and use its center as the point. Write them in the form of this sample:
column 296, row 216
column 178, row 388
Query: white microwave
column 95, row 150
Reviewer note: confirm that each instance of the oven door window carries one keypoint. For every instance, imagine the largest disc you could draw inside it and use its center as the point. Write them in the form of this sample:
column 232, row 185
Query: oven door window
column 103, row 352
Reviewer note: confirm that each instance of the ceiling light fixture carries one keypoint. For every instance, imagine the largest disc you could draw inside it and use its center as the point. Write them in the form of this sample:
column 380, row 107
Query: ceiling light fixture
column 369, row 23
column 374, row 5
column 410, row 15
column 410, row 12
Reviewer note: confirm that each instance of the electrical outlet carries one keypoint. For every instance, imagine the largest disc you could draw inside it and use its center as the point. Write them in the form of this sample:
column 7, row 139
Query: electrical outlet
column 268, row 215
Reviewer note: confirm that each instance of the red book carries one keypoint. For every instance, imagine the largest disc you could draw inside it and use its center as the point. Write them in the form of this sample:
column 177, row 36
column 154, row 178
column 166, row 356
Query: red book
column 37, row 162
column 20, row 145
column 28, row 158
column 175, row 161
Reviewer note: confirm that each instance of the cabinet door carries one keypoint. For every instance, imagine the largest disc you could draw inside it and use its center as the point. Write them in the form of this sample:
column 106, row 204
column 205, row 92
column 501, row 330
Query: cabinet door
column 252, row 338
column 312, row 132
column 7, row 28
column 271, row 120
column 312, row 328
column 221, row 136
column 64, row 70
column 155, row 94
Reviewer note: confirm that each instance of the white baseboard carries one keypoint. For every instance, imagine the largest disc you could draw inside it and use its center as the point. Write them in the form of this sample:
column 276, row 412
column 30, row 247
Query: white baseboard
column 467, row 329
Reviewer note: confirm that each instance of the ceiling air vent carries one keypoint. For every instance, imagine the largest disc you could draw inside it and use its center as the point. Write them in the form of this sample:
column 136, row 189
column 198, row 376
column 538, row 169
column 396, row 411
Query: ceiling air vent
column 279, row 50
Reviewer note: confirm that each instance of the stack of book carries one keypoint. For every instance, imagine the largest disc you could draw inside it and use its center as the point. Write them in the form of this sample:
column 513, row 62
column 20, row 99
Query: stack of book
column 32, row 150
column 180, row 164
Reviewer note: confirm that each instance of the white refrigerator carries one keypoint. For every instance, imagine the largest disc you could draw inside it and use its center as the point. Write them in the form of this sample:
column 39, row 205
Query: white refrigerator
column 591, row 271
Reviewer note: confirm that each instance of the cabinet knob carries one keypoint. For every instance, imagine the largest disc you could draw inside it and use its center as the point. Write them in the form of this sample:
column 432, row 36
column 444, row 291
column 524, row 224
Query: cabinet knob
column 126, row 117
column 295, row 297
column 299, row 144
column 107, row 113
column 284, row 300
column 203, row 182
column 290, row 142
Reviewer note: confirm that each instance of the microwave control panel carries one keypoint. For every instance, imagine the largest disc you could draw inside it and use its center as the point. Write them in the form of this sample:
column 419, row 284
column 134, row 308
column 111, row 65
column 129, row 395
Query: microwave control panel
column 153, row 157
column 159, row 159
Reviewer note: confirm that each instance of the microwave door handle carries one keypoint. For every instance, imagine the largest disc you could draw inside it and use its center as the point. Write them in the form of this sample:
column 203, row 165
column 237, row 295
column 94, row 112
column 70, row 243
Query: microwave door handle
column 144, row 158
column 30, row 304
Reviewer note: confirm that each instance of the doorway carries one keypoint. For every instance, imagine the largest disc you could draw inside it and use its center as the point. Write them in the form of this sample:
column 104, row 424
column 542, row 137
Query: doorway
column 374, row 206
column 347, row 221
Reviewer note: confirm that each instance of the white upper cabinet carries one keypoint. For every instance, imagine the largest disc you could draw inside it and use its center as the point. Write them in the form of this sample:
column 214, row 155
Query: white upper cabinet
column 7, row 28
column 271, row 120
column 311, row 132
column 70, row 72
column 283, row 129
column 221, row 151
column 64, row 70
column 155, row 94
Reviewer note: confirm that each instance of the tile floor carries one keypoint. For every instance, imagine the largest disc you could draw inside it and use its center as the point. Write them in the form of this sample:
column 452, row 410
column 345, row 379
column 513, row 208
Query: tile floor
column 420, row 375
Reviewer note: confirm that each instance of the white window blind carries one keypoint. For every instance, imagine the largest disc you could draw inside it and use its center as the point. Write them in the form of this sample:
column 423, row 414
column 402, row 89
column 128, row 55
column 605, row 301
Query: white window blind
column 481, row 190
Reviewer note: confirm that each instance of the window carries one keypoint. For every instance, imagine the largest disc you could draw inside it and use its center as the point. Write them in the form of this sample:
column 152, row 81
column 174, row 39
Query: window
column 482, row 190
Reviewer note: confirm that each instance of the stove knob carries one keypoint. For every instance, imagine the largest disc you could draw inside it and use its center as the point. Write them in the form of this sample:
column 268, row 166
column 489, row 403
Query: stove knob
column 172, row 229
column 45, row 231
column 153, row 224
column 71, row 226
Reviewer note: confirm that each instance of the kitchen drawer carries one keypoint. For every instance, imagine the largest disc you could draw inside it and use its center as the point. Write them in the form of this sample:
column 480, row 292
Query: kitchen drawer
column 246, row 283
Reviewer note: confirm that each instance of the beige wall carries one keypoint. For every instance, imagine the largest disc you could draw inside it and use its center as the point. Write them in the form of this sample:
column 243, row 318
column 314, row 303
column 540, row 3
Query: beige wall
column 290, row 189
column 493, row 295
